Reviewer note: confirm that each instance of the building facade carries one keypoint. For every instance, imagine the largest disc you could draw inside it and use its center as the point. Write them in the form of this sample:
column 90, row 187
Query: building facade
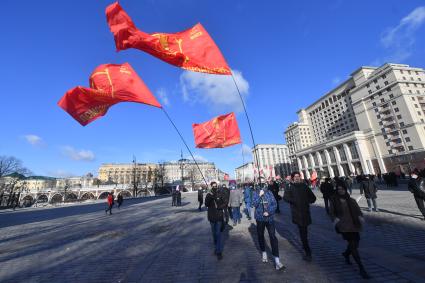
column 127, row 173
column 273, row 160
column 245, row 173
column 372, row 123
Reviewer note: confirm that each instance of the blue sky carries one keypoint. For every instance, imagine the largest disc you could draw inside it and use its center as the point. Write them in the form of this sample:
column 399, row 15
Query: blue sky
column 286, row 54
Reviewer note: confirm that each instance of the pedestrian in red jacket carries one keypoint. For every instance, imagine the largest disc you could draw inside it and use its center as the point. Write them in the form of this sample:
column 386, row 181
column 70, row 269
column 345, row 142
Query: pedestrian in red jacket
column 110, row 201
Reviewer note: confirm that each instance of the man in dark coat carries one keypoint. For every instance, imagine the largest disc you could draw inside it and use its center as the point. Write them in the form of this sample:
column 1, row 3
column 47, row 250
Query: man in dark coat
column 369, row 188
column 216, row 205
column 200, row 198
column 327, row 190
column 416, row 186
column 224, row 193
column 299, row 196
column 274, row 188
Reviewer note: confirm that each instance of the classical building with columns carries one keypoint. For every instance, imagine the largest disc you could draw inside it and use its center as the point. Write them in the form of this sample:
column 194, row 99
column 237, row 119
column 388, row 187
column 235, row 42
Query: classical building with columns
column 372, row 123
column 245, row 173
column 273, row 160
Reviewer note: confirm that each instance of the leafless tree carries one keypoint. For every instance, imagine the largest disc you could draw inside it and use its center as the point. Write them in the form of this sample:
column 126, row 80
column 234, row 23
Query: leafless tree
column 10, row 164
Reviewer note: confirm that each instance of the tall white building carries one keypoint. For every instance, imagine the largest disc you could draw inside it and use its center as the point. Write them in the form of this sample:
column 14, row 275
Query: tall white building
column 273, row 160
column 245, row 173
column 371, row 123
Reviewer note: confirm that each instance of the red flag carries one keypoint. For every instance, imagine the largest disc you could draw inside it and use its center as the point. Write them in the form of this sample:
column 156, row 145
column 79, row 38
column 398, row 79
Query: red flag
column 219, row 132
column 192, row 49
column 109, row 84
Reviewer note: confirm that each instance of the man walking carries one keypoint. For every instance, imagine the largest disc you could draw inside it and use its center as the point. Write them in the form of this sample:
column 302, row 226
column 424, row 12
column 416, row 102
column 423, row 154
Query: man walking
column 215, row 203
column 200, row 198
column 369, row 188
column 120, row 200
column 416, row 186
column 235, row 201
column 299, row 196
column 327, row 190
column 110, row 201
column 265, row 206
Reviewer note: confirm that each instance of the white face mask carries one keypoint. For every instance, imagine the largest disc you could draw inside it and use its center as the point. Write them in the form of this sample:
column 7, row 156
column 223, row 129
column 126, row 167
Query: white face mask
column 414, row 176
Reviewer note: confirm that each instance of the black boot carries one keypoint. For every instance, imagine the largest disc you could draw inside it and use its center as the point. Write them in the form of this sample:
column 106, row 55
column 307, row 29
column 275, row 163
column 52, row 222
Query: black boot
column 364, row 274
column 347, row 257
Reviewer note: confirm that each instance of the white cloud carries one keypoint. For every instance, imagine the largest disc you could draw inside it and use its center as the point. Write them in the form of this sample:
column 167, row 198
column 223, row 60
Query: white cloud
column 163, row 96
column 34, row 140
column 79, row 155
column 399, row 40
column 217, row 91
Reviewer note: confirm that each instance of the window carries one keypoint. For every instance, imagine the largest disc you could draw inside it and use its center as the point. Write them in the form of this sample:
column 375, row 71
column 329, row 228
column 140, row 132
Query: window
column 401, row 124
column 375, row 81
column 419, row 113
column 407, row 139
column 370, row 91
column 404, row 78
column 411, row 78
column 410, row 91
column 367, row 85
column 393, row 103
column 398, row 116
column 382, row 100
column 413, row 98
column 391, row 95
column 376, row 109
column 410, row 147
column 404, row 131
column 419, row 79
column 409, row 72
column 416, row 106
column 401, row 71
column 374, row 103
column 386, row 83
column 387, row 143
column 396, row 109
column 390, row 151
column 384, row 76
column 378, row 87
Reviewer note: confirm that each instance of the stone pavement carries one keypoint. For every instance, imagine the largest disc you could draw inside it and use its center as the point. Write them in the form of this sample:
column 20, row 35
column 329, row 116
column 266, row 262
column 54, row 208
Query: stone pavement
column 150, row 241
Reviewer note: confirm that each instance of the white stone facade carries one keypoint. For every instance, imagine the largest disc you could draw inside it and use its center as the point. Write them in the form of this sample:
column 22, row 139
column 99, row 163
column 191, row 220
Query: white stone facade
column 245, row 173
column 273, row 160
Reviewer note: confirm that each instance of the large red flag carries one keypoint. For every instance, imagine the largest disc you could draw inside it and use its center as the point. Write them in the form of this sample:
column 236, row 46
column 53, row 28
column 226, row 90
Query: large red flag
column 219, row 132
column 192, row 49
column 109, row 84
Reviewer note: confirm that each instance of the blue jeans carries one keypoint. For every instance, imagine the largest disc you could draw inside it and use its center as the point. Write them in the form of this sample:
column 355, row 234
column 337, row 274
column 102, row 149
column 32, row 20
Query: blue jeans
column 217, row 235
column 248, row 209
column 236, row 213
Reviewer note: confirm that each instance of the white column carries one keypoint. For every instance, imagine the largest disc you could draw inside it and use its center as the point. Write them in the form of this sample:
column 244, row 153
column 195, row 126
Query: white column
column 299, row 163
column 349, row 158
column 328, row 162
column 378, row 156
column 361, row 158
column 313, row 164
column 306, row 167
column 338, row 161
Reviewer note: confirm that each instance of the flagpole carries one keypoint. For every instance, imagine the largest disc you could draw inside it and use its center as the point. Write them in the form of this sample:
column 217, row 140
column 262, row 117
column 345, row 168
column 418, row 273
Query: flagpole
column 250, row 128
column 177, row 130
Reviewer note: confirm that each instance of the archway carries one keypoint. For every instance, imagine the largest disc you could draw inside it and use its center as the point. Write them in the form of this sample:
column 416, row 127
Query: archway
column 27, row 200
column 87, row 196
column 42, row 198
column 71, row 197
column 125, row 194
column 56, row 198
column 103, row 195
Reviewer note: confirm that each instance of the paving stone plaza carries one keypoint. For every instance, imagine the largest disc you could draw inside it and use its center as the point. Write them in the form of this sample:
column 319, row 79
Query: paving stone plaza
column 147, row 240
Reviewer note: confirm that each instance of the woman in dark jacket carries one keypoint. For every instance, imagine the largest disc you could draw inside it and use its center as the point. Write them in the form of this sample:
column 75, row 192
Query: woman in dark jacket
column 347, row 218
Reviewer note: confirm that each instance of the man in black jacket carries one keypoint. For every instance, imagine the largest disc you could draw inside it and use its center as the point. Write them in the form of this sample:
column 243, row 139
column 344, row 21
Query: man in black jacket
column 300, row 197
column 274, row 188
column 215, row 203
column 369, row 188
column 416, row 186
column 327, row 190
column 200, row 198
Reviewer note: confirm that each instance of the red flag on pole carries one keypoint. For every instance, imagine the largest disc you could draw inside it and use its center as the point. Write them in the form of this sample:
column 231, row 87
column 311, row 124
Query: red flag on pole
column 219, row 132
column 109, row 84
column 192, row 49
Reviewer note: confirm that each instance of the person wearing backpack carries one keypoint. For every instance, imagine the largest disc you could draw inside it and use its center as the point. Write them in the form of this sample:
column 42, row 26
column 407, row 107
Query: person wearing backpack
column 416, row 186
column 215, row 203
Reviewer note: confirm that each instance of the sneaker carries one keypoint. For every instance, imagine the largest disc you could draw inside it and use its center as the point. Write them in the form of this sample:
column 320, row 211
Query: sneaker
column 376, row 210
column 370, row 209
column 219, row 256
column 234, row 223
column 280, row 266
column 239, row 221
column 265, row 258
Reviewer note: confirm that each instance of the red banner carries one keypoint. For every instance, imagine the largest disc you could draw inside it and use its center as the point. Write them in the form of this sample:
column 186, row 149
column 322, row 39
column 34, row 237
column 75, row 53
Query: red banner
column 222, row 131
column 192, row 49
column 109, row 84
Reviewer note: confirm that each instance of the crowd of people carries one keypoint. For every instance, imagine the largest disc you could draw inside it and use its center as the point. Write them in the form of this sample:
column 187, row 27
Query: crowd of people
column 224, row 203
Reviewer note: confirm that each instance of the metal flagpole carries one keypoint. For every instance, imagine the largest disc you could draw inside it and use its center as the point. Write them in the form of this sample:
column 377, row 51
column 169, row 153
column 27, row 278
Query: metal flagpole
column 250, row 129
column 177, row 130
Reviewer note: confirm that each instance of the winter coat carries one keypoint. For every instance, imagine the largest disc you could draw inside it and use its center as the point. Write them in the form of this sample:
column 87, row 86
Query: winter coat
column 266, row 202
column 327, row 189
column 200, row 196
column 110, row 199
column 215, row 204
column 369, row 188
column 300, row 197
column 235, row 198
column 342, row 212
column 417, row 187
column 247, row 194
